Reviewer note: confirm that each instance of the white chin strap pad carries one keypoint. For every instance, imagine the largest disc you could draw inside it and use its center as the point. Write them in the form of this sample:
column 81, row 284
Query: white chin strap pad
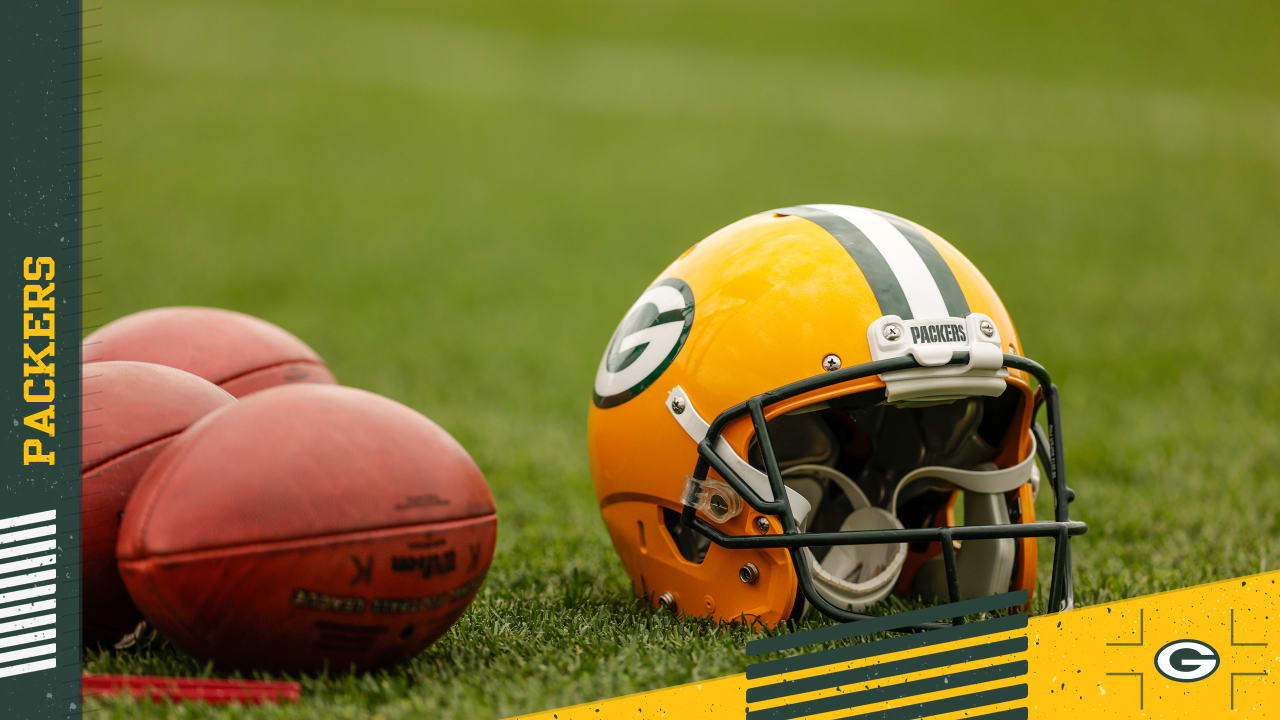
column 853, row 577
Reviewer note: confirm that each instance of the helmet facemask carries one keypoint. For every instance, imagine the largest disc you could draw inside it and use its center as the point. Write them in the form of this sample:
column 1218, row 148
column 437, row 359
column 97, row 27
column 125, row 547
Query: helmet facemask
column 864, row 464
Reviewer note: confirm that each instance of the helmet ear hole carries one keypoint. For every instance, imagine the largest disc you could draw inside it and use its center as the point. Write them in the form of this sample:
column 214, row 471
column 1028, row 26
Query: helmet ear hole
column 692, row 544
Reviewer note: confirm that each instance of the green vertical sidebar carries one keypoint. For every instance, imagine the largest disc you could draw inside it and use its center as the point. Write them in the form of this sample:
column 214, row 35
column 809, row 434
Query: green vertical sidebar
column 41, row 268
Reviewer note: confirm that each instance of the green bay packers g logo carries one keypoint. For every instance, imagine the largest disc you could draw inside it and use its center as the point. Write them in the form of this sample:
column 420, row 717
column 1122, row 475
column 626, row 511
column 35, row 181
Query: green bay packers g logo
column 646, row 341
column 1187, row 660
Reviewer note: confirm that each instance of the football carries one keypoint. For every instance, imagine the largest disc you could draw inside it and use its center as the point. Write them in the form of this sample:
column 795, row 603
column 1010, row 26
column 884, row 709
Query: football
column 130, row 412
column 240, row 353
column 308, row 527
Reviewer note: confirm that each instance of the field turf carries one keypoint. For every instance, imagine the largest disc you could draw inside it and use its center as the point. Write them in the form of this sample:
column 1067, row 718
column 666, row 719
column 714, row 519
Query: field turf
column 454, row 202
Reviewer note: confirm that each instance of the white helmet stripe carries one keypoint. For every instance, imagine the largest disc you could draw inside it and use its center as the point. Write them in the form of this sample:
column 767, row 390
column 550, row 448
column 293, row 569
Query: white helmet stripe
column 913, row 275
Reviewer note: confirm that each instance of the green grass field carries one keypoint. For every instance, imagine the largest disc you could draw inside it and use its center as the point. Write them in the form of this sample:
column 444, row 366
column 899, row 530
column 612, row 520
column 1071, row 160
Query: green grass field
column 455, row 202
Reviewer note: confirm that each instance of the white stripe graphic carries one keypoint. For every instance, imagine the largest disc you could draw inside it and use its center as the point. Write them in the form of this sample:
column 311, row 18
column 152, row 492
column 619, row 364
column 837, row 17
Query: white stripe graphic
column 42, row 561
column 28, row 534
column 28, row 623
column 28, row 549
column 29, row 578
column 28, row 667
column 29, row 628
column 27, row 594
column 45, row 516
column 38, row 636
column 25, row 653
column 28, row 608
column 917, row 282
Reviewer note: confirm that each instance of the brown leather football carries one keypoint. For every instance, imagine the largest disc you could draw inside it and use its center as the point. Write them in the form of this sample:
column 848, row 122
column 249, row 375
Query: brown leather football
column 129, row 413
column 308, row 526
column 240, row 353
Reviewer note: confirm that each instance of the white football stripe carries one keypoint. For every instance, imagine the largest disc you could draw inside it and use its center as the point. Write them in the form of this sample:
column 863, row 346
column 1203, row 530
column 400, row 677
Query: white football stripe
column 917, row 282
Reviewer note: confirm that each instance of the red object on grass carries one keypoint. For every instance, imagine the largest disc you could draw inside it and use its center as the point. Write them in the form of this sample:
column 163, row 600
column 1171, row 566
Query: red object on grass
column 213, row 691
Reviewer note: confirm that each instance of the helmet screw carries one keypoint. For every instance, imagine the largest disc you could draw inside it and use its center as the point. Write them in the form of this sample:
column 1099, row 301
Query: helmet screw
column 892, row 331
column 762, row 524
column 831, row 362
column 987, row 327
column 667, row 601
column 677, row 405
column 749, row 574
column 719, row 505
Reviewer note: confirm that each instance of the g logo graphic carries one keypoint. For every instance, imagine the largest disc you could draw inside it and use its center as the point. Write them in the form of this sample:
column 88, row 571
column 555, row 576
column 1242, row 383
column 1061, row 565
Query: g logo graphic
column 646, row 341
column 1187, row 660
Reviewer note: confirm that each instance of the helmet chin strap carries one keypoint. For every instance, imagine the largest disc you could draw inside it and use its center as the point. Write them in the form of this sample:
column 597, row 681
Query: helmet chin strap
column 850, row 576
column 989, row 482
column 856, row 577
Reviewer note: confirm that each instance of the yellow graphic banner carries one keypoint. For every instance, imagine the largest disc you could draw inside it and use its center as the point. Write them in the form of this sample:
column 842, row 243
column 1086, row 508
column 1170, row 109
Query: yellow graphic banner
column 1210, row 651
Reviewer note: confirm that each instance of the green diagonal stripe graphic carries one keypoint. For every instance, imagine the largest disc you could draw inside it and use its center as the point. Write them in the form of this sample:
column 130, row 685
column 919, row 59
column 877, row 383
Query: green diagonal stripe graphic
column 887, row 669
column 886, row 646
column 857, row 628
column 954, row 704
column 894, row 691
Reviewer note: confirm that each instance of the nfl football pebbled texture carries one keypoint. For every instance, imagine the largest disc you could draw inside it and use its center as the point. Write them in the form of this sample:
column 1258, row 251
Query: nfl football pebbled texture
column 240, row 353
column 308, row 527
column 130, row 412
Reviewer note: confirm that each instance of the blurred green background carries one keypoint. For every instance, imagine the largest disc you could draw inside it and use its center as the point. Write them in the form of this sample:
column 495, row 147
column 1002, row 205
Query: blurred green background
column 455, row 202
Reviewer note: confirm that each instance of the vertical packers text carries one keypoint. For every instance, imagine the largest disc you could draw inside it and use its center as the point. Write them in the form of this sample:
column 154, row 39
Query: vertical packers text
column 38, row 350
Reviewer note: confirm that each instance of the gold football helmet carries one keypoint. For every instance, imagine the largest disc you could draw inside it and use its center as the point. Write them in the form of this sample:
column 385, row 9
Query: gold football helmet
column 824, row 403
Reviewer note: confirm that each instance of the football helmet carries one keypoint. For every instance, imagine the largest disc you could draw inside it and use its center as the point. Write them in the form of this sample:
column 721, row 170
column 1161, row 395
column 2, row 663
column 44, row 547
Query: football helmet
column 821, row 405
